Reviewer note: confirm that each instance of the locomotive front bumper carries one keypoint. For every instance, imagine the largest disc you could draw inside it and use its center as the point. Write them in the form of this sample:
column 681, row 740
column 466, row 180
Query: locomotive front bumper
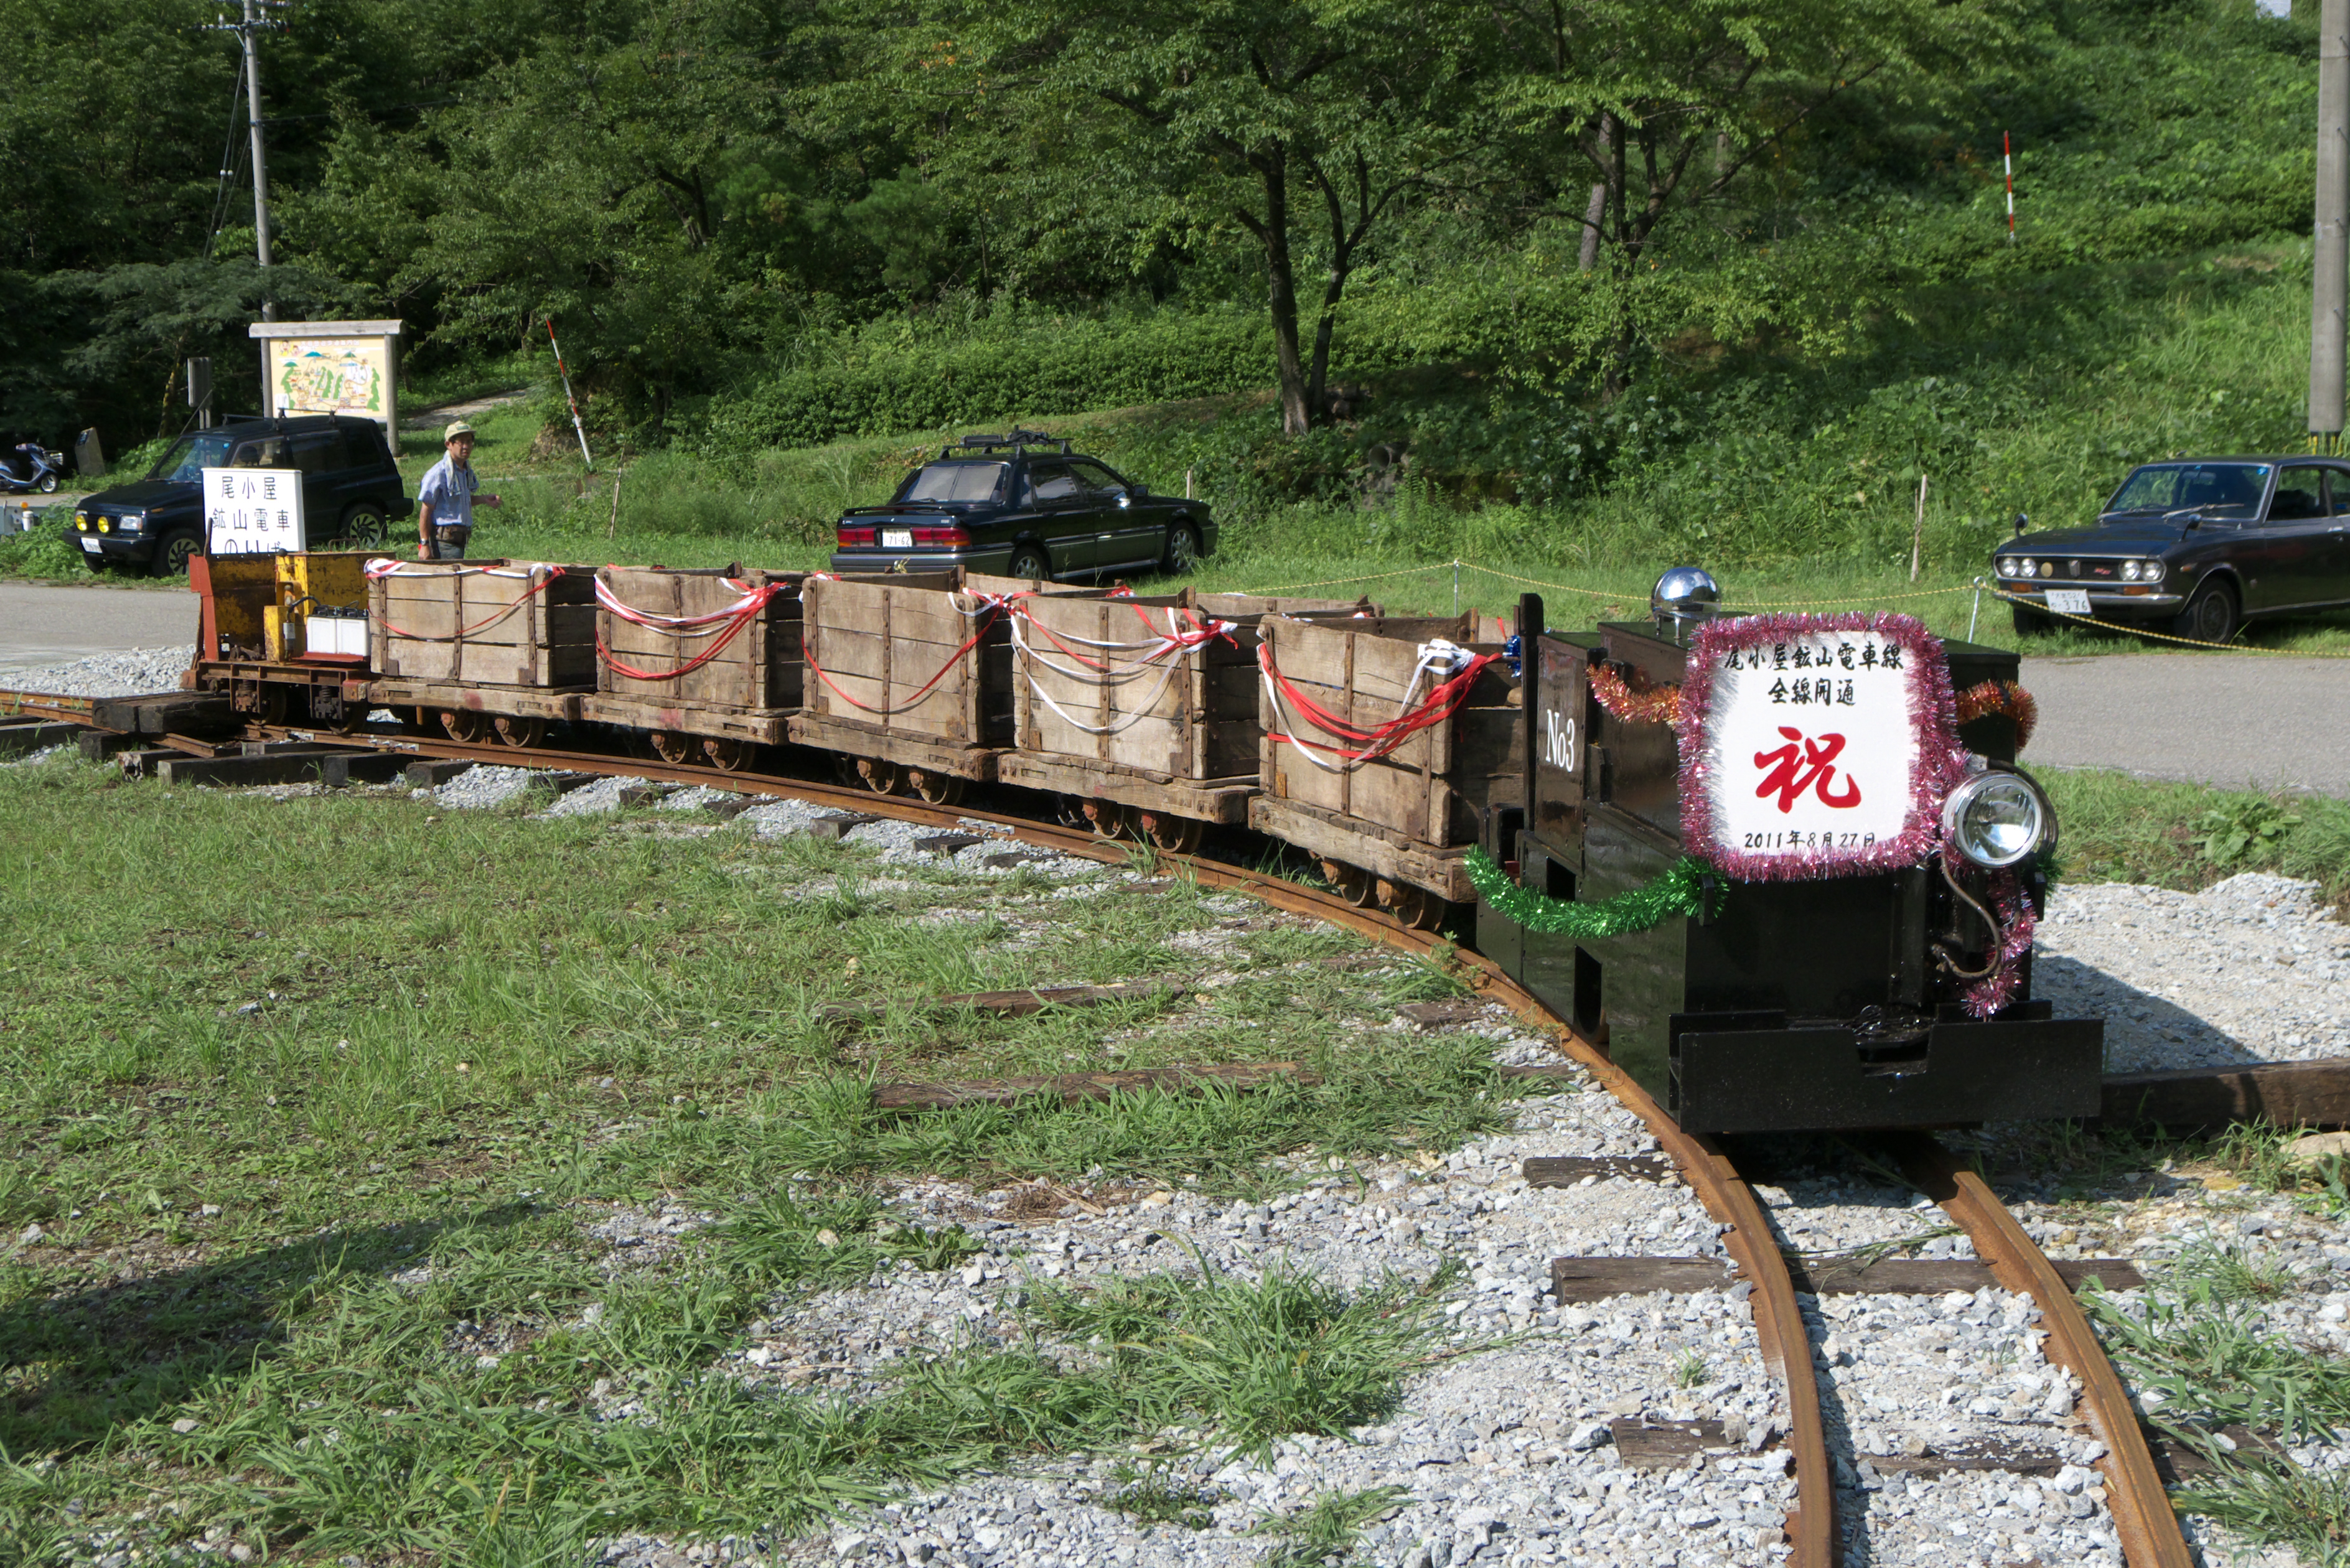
column 1761, row 1071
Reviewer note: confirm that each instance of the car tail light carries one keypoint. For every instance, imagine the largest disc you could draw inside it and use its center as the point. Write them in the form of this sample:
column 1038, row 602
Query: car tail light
column 851, row 537
column 952, row 537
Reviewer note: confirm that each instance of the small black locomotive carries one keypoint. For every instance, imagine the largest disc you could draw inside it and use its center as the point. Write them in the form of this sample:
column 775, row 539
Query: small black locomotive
column 1784, row 869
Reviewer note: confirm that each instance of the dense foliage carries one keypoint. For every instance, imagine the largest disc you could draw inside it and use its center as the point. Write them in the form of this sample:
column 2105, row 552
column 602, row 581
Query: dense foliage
column 1733, row 260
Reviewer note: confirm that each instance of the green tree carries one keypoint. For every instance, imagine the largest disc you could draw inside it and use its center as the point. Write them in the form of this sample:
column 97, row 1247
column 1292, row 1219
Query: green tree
column 1305, row 122
column 1662, row 112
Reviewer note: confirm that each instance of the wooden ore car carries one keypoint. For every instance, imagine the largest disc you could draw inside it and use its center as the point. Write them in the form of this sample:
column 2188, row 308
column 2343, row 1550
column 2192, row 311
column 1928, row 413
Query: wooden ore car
column 1890, row 988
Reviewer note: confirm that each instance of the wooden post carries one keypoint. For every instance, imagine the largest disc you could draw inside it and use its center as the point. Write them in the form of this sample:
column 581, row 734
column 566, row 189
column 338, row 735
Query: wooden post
column 613, row 527
column 1918, row 530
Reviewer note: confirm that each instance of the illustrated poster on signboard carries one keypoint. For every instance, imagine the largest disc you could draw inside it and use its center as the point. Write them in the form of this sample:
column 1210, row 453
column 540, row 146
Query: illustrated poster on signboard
column 329, row 375
column 1816, row 745
column 254, row 512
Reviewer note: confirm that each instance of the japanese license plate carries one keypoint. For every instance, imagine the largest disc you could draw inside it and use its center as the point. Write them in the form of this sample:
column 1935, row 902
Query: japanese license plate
column 2069, row 601
column 90, row 543
column 896, row 538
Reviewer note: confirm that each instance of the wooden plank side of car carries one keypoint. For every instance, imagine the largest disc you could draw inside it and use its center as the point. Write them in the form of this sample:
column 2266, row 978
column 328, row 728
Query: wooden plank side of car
column 754, row 668
column 495, row 623
column 1430, row 787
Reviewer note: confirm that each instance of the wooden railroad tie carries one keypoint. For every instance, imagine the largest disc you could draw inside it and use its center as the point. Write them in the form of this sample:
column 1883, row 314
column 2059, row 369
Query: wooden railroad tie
column 1070, row 1089
column 1010, row 1003
column 19, row 739
column 1596, row 1279
column 2289, row 1094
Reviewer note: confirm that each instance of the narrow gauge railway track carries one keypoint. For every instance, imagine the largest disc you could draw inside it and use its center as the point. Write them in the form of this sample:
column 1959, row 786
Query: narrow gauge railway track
column 2144, row 1522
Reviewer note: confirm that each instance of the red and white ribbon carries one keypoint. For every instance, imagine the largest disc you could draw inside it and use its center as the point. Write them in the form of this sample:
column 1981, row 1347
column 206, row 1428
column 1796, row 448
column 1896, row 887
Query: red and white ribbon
column 1457, row 666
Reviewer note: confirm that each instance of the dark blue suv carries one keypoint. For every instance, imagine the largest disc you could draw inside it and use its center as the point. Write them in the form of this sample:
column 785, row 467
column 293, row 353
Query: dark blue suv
column 1023, row 506
column 350, row 490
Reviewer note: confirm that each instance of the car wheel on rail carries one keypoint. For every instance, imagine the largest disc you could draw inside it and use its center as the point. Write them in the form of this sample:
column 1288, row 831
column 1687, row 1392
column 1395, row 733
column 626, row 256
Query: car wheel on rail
column 1165, row 830
column 1182, row 550
column 933, row 788
column 1030, row 563
column 172, row 554
column 2029, row 622
column 466, row 726
column 363, row 527
column 1413, row 909
column 674, row 749
column 880, row 777
column 1108, row 819
column 519, row 731
column 2210, row 616
column 729, row 751
column 1352, row 883
column 272, row 703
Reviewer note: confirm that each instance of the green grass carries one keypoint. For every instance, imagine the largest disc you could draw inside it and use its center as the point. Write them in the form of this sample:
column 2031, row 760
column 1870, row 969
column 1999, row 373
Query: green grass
column 2117, row 828
column 415, row 1042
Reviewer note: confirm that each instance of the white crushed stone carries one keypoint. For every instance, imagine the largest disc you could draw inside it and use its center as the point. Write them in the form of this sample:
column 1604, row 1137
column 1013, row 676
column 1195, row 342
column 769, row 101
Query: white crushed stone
column 480, row 788
column 133, row 672
column 2253, row 969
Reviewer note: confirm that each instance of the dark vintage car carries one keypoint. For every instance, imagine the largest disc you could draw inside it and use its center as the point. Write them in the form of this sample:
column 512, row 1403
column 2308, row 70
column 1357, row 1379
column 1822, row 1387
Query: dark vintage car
column 2195, row 548
column 350, row 490
column 1023, row 506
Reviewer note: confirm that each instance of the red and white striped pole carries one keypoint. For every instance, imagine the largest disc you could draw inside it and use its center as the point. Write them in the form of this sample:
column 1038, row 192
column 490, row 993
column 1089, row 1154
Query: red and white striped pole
column 576, row 425
column 2007, row 157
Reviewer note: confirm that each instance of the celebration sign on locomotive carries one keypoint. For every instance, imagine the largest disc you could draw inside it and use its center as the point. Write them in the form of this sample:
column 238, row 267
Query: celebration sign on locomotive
column 1815, row 745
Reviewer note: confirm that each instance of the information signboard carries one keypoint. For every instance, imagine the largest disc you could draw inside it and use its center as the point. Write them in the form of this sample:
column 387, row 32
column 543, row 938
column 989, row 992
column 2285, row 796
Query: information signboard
column 254, row 512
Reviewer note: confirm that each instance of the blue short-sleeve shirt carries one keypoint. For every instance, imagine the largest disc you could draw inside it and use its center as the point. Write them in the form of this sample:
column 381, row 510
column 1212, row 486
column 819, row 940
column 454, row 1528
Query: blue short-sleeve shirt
column 449, row 491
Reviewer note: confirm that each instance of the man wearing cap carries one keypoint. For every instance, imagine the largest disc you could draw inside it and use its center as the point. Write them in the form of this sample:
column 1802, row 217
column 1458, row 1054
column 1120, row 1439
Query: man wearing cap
column 445, row 501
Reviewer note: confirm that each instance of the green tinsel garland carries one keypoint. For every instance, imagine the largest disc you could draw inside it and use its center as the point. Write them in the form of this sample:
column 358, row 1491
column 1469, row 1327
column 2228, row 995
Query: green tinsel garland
column 1680, row 891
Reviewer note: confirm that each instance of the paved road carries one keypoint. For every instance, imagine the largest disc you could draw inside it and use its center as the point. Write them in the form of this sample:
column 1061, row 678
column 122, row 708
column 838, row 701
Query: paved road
column 44, row 624
column 2232, row 720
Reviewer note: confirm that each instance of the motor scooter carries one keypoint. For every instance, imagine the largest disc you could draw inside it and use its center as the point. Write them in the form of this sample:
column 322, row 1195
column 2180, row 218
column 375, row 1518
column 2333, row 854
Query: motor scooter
column 31, row 466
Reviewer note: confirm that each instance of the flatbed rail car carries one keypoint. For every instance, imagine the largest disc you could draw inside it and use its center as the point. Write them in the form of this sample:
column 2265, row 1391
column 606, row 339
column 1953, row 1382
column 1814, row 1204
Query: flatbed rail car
column 910, row 676
column 1827, row 812
column 707, row 664
column 481, row 651
column 1386, row 743
column 1142, row 713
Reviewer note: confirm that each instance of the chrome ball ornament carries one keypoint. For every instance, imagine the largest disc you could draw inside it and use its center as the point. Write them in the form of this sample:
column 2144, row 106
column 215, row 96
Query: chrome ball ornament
column 1682, row 598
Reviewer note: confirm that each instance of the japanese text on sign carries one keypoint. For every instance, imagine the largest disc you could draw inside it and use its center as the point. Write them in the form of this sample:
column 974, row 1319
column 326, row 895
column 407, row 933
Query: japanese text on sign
column 1812, row 745
column 254, row 512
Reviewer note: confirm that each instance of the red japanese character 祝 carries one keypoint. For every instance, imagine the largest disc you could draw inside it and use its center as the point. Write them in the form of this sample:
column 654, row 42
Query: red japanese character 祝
column 1785, row 772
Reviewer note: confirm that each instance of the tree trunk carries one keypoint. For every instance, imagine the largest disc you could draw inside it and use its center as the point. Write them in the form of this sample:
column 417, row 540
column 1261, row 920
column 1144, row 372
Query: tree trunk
column 1280, row 285
column 1595, row 212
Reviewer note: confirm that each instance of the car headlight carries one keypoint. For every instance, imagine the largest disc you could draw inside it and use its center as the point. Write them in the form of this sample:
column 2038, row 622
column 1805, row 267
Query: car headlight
column 1996, row 818
column 81, row 520
column 2151, row 571
column 104, row 523
column 2129, row 571
column 131, row 521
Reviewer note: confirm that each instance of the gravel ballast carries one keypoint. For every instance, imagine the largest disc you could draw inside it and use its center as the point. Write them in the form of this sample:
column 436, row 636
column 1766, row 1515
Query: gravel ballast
column 134, row 672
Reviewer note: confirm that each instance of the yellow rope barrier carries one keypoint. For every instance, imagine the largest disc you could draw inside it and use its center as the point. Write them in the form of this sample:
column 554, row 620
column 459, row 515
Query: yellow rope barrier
column 1998, row 593
column 1337, row 582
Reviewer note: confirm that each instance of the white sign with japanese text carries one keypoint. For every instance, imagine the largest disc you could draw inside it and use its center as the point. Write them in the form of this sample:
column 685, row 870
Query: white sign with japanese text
column 1813, row 745
column 254, row 512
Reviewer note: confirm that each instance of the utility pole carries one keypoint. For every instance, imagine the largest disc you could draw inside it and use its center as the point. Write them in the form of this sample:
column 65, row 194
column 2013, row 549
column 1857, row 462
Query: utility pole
column 249, row 30
column 2331, row 274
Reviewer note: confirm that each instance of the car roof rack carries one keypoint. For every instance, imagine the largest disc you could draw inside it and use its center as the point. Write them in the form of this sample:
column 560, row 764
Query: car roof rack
column 1017, row 442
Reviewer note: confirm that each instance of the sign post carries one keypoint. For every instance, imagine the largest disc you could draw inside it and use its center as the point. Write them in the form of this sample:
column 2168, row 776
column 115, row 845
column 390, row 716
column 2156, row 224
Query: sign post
column 254, row 512
column 332, row 368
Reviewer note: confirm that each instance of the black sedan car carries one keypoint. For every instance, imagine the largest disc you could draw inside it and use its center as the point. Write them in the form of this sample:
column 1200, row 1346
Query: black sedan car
column 1023, row 506
column 2195, row 548
column 350, row 490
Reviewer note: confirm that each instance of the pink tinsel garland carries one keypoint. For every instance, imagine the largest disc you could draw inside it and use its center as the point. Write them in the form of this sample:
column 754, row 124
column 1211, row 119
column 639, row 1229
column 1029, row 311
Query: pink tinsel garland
column 1933, row 711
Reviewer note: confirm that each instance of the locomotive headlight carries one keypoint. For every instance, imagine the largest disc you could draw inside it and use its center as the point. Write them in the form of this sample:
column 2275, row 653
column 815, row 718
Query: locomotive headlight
column 1996, row 818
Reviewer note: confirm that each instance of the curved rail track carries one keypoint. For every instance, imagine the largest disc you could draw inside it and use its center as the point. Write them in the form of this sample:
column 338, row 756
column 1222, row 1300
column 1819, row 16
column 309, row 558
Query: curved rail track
column 2144, row 1521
